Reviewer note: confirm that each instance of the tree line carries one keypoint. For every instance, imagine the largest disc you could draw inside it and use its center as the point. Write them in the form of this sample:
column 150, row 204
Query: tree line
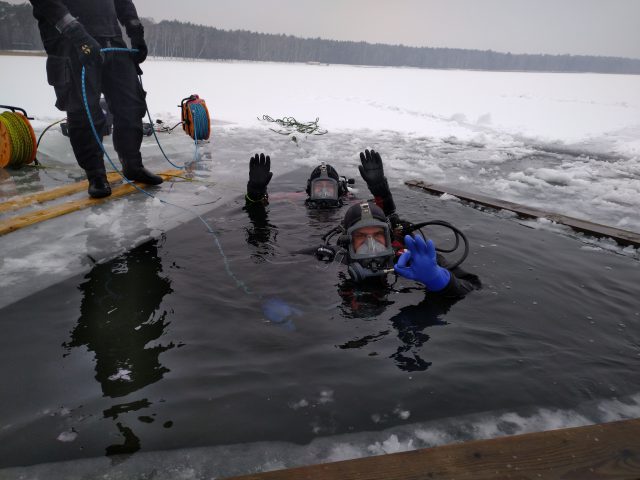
column 186, row 40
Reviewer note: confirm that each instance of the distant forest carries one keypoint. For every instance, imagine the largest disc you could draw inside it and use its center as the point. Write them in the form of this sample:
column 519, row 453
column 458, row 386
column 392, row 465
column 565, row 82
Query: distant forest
column 185, row 40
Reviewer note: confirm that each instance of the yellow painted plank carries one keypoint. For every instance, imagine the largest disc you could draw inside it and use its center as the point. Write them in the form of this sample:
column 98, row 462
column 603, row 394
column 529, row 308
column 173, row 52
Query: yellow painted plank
column 16, row 223
column 609, row 451
column 48, row 195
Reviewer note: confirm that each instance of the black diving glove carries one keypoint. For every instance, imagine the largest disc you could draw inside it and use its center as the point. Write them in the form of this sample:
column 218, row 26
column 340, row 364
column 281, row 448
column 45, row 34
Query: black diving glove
column 259, row 176
column 135, row 30
column 372, row 172
column 87, row 47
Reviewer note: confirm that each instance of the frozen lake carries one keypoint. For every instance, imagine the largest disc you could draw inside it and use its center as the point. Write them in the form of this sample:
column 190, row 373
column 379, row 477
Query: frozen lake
column 568, row 143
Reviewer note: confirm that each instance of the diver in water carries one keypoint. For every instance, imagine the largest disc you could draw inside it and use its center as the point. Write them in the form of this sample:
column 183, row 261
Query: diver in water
column 325, row 188
column 372, row 248
column 373, row 241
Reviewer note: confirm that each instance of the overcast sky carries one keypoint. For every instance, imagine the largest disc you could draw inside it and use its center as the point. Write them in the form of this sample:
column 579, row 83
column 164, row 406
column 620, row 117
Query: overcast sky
column 580, row 27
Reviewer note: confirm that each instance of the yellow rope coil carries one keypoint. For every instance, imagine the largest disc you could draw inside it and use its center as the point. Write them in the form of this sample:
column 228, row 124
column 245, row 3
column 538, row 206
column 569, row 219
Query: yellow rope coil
column 17, row 140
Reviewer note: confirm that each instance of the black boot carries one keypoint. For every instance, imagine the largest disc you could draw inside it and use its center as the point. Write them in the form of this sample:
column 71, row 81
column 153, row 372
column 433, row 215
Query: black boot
column 98, row 184
column 133, row 169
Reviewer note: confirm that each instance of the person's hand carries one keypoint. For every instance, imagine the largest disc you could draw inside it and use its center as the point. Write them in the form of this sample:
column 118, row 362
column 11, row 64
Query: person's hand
column 419, row 263
column 372, row 172
column 87, row 47
column 259, row 176
column 136, row 34
column 371, row 169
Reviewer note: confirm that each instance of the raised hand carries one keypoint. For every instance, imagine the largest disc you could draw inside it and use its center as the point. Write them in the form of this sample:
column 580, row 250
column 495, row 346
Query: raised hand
column 372, row 170
column 419, row 263
column 259, row 176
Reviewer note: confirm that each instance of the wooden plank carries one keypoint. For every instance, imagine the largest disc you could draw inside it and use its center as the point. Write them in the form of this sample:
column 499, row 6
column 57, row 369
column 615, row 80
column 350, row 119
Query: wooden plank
column 623, row 237
column 17, row 203
column 598, row 452
column 16, row 223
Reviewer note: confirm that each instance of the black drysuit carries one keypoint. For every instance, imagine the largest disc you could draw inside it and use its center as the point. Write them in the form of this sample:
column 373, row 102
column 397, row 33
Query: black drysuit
column 116, row 77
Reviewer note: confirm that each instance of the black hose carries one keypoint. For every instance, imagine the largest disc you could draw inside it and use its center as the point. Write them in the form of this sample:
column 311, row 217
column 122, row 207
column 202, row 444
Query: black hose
column 458, row 234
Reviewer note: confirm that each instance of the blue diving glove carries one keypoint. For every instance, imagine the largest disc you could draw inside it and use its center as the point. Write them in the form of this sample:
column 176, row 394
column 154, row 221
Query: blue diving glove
column 419, row 263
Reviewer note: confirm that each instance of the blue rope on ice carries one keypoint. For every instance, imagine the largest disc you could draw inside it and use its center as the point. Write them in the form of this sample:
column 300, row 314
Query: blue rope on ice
column 155, row 135
column 239, row 282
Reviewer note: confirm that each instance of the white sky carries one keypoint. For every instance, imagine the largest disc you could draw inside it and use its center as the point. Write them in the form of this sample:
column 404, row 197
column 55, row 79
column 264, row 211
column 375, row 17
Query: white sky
column 580, row 27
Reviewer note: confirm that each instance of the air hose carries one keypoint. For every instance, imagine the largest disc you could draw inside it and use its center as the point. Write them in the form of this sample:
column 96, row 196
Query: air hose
column 17, row 139
column 459, row 234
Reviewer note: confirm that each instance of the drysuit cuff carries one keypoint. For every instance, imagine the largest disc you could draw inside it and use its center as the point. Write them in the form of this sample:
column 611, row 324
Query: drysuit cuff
column 134, row 29
column 452, row 289
column 262, row 199
column 65, row 22
column 386, row 203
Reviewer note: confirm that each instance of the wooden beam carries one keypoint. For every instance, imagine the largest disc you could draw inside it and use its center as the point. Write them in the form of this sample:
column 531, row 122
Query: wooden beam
column 16, row 223
column 17, row 203
column 623, row 237
column 608, row 451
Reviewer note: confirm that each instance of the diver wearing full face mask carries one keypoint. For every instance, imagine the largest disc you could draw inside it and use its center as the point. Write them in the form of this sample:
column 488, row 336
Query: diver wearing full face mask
column 373, row 241
column 325, row 188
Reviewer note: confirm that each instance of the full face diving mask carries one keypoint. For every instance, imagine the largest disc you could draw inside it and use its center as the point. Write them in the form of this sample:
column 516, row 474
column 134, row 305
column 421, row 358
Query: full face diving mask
column 370, row 250
column 323, row 190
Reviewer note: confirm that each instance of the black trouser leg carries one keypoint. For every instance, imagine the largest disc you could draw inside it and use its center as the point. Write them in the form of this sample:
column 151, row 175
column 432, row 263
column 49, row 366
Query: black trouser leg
column 83, row 141
column 126, row 101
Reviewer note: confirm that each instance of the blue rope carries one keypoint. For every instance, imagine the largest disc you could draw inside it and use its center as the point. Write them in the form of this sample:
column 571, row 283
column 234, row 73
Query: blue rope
column 200, row 126
column 227, row 266
column 154, row 131
column 200, row 120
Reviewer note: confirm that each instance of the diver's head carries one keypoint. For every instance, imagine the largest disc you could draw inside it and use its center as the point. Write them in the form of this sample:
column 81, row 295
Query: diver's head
column 367, row 239
column 325, row 188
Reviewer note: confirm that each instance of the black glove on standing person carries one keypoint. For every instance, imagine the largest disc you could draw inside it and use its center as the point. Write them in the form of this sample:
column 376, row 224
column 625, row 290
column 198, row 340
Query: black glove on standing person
column 372, row 172
column 87, row 47
column 259, row 177
column 135, row 30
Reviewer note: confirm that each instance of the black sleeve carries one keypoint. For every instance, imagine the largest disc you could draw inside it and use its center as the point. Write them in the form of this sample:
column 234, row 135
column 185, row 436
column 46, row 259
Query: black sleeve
column 52, row 11
column 126, row 11
column 460, row 283
column 259, row 232
column 385, row 202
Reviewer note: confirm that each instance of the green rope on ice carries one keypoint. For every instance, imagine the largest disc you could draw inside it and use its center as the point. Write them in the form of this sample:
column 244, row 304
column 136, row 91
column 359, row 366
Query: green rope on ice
column 289, row 126
column 22, row 147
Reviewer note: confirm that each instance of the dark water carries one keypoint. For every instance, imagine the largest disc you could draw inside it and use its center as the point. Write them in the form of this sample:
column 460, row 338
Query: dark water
column 160, row 349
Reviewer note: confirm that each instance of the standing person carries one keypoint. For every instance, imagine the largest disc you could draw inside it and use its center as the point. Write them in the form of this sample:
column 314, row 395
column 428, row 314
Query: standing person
column 73, row 33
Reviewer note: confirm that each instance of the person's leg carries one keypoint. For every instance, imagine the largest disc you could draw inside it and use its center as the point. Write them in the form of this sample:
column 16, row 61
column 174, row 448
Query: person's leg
column 126, row 101
column 85, row 146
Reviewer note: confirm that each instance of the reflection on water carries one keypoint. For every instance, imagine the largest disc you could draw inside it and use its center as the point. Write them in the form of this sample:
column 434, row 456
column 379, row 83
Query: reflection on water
column 410, row 322
column 261, row 233
column 120, row 316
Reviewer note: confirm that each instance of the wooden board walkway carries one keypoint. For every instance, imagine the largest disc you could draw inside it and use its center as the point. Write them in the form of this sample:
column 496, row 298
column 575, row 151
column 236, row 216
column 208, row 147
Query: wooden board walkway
column 600, row 452
column 12, row 224
column 623, row 237
column 17, row 203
